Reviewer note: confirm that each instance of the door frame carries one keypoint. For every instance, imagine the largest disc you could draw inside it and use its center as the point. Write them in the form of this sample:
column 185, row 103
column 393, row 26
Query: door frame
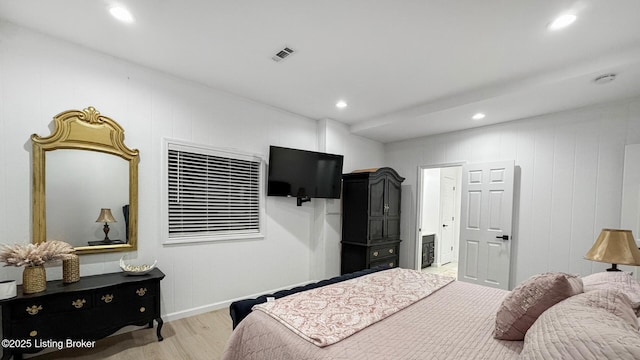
column 419, row 193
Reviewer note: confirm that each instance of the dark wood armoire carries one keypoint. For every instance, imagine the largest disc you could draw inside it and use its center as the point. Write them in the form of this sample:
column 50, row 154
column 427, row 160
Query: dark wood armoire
column 370, row 219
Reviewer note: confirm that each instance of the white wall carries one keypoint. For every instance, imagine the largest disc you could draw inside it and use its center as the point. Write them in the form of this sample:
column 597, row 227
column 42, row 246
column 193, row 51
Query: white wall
column 569, row 180
column 359, row 153
column 631, row 190
column 41, row 76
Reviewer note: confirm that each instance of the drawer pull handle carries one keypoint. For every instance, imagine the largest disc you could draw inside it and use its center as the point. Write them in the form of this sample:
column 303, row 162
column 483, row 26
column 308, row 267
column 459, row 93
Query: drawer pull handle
column 32, row 310
column 107, row 298
column 390, row 264
column 390, row 251
column 78, row 303
column 375, row 253
column 141, row 291
column 142, row 309
column 33, row 333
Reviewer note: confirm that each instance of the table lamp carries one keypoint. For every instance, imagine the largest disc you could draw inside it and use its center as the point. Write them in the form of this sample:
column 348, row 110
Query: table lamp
column 616, row 247
column 106, row 217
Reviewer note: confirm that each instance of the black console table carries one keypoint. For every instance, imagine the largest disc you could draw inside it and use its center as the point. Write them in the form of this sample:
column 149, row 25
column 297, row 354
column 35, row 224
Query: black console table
column 77, row 314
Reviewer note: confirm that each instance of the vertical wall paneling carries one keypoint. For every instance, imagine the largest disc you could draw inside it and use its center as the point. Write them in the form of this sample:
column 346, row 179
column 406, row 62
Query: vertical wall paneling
column 41, row 76
column 562, row 199
column 569, row 168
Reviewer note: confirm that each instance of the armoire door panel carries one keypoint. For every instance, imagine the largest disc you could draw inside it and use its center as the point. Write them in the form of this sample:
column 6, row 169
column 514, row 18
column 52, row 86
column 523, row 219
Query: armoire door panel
column 376, row 229
column 376, row 198
column 393, row 228
column 393, row 198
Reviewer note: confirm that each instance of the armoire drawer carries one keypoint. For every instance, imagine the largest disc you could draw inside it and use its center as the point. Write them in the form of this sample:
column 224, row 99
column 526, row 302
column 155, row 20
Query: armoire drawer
column 389, row 261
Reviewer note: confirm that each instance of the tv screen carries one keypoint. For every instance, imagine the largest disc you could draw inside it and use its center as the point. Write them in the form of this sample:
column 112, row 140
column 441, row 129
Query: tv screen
column 303, row 174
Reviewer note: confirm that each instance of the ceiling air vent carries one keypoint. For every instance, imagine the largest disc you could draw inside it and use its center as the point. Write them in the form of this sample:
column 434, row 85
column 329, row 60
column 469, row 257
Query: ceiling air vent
column 282, row 54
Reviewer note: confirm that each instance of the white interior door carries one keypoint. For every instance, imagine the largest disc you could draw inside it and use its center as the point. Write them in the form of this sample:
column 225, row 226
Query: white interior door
column 447, row 210
column 485, row 223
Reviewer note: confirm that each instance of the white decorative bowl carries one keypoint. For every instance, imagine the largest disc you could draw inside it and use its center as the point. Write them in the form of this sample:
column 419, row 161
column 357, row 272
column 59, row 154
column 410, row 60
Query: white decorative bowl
column 130, row 269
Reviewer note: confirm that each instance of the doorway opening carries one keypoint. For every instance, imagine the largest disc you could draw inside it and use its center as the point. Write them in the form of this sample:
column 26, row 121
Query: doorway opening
column 439, row 204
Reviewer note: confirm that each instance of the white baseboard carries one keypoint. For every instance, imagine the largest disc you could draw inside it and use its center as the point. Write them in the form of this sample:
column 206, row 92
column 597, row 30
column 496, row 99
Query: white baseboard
column 222, row 304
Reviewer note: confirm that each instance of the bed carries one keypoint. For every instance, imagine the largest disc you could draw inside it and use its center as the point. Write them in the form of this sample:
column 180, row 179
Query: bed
column 457, row 320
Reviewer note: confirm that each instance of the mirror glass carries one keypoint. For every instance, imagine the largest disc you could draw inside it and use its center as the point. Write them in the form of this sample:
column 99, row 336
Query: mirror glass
column 82, row 167
column 78, row 184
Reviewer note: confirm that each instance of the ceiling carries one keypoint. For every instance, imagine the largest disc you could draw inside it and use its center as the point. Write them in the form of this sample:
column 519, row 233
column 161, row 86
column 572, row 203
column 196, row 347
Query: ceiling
column 406, row 68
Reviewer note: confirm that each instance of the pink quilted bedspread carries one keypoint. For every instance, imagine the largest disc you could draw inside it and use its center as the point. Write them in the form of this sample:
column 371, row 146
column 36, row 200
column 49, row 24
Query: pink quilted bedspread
column 331, row 313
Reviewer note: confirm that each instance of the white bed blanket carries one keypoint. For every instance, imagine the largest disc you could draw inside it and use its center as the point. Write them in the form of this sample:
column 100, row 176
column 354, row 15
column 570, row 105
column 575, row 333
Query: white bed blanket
column 334, row 312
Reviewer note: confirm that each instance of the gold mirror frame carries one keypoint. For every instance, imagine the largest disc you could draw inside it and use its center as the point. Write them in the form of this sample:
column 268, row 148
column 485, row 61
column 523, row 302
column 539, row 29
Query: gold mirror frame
column 83, row 130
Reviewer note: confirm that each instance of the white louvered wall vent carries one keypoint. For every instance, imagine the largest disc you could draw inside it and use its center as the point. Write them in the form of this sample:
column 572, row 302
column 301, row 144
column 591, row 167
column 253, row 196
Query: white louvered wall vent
column 282, row 54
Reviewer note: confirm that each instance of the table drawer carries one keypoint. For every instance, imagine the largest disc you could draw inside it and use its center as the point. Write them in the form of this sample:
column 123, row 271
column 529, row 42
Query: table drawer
column 135, row 311
column 44, row 306
column 126, row 293
column 57, row 326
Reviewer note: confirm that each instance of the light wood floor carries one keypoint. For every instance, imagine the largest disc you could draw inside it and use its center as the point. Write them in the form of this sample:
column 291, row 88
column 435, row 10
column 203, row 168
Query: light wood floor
column 198, row 337
column 449, row 269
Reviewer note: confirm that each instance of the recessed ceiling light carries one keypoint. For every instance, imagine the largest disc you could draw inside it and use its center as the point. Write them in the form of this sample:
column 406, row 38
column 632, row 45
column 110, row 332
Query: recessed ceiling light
column 478, row 116
column 341, row 104
column 121, row 14
column 562, row 21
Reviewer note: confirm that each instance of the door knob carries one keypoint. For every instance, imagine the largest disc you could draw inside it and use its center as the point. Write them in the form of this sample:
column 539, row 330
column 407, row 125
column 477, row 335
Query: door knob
column 503, row 237
column 444, row 225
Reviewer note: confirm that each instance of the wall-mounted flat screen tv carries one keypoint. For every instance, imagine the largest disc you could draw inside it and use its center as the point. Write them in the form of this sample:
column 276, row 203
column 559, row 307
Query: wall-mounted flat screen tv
column 304, row 174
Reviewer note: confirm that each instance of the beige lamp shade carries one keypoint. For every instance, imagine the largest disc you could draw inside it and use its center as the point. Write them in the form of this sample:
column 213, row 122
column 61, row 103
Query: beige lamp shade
column 105, row 216
column 615, row 247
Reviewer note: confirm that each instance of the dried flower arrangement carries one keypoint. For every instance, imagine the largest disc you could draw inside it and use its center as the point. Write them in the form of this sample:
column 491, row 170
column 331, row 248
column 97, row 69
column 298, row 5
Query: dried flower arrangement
column 35, row 254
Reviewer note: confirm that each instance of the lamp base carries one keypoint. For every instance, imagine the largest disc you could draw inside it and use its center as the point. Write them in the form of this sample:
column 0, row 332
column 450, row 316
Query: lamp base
column 614, row 267
column 106, row 242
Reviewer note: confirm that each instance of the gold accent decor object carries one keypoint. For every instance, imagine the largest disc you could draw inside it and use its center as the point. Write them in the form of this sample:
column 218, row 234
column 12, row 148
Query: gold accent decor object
column 33, row 309
column 78, row 304
column 141, row 291
column 34, row 279
column 107, row 298
column 615, row 246
column 71, row 270
column 83, row 130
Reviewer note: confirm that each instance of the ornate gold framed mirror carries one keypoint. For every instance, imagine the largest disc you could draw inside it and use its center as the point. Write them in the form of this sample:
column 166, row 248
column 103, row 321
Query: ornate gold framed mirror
column 85, row 184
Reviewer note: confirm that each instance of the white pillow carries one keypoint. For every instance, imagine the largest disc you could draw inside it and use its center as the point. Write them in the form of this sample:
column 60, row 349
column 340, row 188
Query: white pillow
column 595, row 325
column 615, row 280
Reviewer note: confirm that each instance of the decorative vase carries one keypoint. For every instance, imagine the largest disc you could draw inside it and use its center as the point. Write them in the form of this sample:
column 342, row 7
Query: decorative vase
column 71, row 270
column 34, row 279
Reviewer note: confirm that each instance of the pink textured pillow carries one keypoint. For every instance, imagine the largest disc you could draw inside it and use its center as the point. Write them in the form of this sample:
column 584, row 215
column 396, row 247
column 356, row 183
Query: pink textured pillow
column 615, row 280
column 520, row 309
